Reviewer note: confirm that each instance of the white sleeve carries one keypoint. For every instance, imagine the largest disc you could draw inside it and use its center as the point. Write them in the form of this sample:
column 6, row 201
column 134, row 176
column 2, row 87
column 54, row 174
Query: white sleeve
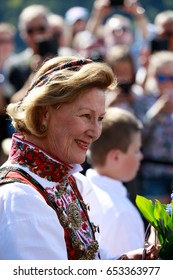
column 29, row 228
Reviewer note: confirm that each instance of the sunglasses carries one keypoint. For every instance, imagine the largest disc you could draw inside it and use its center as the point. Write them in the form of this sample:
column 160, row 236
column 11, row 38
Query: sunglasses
column 164, row 78
column 31, row 30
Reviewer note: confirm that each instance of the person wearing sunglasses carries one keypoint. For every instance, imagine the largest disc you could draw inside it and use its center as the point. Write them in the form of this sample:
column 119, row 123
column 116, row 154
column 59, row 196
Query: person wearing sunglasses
column 7, row 49
column 157, row 166
column 33, row 27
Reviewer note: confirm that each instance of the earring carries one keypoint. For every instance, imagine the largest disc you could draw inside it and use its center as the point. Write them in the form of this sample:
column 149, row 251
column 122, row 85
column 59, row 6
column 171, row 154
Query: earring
column 43, row 127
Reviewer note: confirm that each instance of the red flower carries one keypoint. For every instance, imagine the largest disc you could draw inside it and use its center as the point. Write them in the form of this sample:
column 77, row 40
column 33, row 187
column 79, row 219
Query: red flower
column 40, row 158
column 47, row 168
column 30, row 157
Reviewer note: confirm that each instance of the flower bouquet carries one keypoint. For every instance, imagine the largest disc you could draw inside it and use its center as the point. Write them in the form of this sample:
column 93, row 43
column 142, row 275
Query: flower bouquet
column 160, row 216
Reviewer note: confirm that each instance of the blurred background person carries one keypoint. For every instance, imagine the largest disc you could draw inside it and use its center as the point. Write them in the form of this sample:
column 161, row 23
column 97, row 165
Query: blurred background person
column 43, row 45
column 5, row 149
column 164, row 31
column 89, row 45
column 7, row 50
column 157, row 167
column 57, row 25
column 56, row 22
column 124, row 23
column 127, row 92
column 34, row 29
column 76, row 19
column 160, row 38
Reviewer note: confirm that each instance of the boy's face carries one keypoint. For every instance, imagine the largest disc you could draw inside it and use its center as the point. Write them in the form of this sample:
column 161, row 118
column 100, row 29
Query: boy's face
column 124, row 166
column 129, row 162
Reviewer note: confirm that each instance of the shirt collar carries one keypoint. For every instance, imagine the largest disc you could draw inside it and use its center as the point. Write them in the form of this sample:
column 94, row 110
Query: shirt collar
column 37, row 161
column 106, row 183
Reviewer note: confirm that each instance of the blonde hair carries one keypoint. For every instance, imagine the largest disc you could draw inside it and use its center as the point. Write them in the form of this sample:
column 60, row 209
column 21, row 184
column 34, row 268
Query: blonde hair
column 31, row 12
column 8, row 28
column 163, row 17
column 62, row 86
column 159, row 60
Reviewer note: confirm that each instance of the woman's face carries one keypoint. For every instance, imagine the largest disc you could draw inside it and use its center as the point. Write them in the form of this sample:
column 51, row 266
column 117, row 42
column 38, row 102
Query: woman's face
column 74, row 126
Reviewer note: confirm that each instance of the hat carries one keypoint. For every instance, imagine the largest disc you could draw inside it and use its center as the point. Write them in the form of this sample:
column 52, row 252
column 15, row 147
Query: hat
column 76, row 13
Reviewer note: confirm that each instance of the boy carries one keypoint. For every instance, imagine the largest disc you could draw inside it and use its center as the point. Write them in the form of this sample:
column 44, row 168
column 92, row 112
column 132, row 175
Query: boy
column 115, row 158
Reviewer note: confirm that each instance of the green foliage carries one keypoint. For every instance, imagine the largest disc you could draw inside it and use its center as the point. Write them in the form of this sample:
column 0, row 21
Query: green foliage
column 157, row 215
column 147, row 209
column 166, row 250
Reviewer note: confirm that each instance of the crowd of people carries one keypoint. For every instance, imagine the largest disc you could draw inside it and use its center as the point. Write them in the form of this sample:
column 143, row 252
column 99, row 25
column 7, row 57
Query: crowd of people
column 85, row 118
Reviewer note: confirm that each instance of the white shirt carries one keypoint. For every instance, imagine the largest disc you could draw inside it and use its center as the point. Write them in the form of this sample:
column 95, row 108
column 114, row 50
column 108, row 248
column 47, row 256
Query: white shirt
column 121, row 227
column 29, row 228
column 23, row 209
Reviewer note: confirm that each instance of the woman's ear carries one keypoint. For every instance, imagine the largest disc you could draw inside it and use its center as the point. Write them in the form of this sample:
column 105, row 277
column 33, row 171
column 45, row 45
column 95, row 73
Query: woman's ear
column 45, row 113
column 44, row 117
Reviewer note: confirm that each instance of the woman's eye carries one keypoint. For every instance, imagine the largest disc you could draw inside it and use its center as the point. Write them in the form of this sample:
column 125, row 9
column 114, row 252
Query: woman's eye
column 87, row 116
column 100, row 119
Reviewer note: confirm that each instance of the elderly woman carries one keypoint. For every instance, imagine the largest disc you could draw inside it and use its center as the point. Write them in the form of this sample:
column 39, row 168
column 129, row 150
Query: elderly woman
column 42, row 212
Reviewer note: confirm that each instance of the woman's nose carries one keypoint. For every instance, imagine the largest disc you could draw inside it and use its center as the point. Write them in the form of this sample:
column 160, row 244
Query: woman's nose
column 96, row 130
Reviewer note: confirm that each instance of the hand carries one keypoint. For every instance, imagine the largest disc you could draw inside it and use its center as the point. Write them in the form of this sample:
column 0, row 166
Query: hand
column 132, row 7
column 102, row 8
column 149, row 253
